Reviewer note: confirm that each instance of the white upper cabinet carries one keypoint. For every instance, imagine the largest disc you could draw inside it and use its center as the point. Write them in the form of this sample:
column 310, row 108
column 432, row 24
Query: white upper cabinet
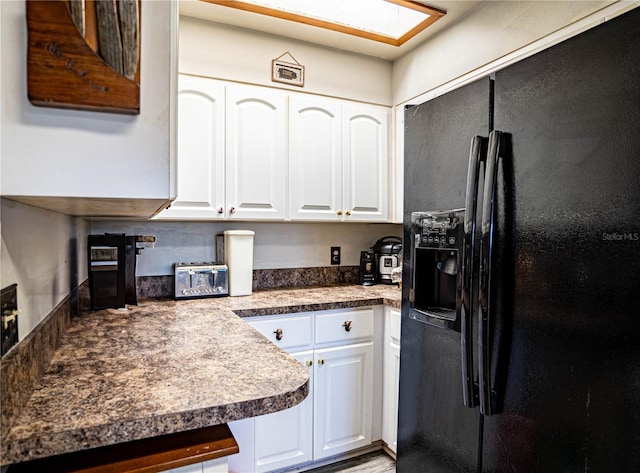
column 90, row 163
column 201, row 130
column 338, row 160
column 256, row 158
column 253, row 153
column 315, row 159
column 232, row 152
column 366, row 157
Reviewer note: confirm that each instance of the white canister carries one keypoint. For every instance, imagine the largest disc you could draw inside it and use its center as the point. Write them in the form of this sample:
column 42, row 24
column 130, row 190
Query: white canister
column 238, row 255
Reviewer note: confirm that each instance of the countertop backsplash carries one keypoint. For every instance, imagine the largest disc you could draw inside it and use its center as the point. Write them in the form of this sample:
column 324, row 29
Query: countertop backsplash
column 162, row 286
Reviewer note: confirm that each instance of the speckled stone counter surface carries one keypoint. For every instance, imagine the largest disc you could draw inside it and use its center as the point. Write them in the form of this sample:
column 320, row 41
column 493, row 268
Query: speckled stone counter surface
column 165, row 366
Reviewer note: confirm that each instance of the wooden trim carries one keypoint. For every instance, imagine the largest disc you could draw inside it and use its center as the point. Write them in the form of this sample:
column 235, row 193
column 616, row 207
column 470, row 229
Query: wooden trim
column 64, row 71
column 435, row 14
column 142, row 456
column 421, row 7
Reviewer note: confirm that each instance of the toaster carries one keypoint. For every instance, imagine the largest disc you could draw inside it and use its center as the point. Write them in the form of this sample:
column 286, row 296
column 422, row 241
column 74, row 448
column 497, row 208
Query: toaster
column 194, row 280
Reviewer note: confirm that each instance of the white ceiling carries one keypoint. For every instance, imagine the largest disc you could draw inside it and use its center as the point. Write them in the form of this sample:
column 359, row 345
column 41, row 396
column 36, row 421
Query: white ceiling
column 230, row 16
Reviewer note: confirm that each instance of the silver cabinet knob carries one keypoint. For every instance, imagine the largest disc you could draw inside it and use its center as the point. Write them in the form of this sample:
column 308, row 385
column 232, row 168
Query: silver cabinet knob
column 232, row 210
column 347, row 325
column 220, row 210
column 278, row 333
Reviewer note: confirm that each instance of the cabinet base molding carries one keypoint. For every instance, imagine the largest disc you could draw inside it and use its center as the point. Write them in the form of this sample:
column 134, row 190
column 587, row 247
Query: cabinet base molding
column 374, row 447
column 388, row 451
column 142, row 456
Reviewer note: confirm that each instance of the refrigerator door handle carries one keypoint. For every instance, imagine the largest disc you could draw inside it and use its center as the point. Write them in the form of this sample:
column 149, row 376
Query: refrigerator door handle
column 465, row 307
column 487, row 396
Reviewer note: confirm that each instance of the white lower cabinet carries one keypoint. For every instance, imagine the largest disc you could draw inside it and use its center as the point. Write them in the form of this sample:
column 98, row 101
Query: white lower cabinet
column 338, row 415
column 342, row 399
column 284, row 438
column 391, row 373
column 219, row 465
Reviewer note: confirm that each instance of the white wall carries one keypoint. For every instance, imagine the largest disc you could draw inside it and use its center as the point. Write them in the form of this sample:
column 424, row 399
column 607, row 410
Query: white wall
column 487, row 32
column 223, row 52
column 45, row 254
column 69, row 153
column 276, row 245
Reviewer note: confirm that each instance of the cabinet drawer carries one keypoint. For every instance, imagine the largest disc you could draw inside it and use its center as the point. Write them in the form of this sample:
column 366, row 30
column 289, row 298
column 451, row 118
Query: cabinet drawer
column 288, row 333
column 344, row 326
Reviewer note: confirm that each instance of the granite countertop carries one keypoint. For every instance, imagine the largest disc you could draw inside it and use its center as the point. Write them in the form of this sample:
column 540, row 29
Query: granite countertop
column 167, row 366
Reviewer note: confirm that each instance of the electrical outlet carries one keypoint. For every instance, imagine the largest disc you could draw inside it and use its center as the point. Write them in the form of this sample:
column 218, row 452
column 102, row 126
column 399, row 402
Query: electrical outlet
column 335, row 255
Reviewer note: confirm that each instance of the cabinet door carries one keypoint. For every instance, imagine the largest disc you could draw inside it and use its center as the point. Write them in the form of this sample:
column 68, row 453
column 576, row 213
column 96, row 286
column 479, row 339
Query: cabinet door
column 201, row 127
column 284, row 438
column 315, row 159
column 342, row 399
column 243, row 431
column 365, row 162
column 219, row 465
column 391, row 375
column 256, row 153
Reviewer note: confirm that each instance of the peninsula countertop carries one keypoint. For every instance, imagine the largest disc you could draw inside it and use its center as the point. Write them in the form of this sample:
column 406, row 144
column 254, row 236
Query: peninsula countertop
column 168, row 366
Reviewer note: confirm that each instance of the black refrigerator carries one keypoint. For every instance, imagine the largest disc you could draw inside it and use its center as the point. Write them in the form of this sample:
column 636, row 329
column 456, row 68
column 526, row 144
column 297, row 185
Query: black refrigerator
column 520, row 342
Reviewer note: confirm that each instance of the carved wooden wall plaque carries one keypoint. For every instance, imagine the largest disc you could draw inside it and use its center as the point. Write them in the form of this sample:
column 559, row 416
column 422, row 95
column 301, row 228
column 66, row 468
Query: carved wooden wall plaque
column 84, row 54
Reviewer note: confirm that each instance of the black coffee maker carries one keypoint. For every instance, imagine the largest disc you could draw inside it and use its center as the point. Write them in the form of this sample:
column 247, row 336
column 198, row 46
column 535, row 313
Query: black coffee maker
column 367, row 275
column 112, row 270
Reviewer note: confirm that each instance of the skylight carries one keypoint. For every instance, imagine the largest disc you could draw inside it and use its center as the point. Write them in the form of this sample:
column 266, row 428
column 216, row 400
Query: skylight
column 388, row 21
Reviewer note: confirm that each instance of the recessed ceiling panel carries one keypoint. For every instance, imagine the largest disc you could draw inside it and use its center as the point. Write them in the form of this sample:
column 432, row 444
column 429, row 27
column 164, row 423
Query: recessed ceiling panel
column 388, row 21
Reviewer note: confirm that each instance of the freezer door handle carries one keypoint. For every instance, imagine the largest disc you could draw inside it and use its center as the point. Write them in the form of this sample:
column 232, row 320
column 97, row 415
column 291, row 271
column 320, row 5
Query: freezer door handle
column 465, row 282
column 487, row 396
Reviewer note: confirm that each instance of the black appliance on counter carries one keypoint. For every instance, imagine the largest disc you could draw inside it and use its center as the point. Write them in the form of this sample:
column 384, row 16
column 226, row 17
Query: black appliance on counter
column 112, row 269
column 367, row 274
column 519, row 344
column 387, row 253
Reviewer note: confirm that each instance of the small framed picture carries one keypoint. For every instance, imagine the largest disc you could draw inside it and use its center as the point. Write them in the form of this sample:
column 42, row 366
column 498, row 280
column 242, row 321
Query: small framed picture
column 287, row 73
